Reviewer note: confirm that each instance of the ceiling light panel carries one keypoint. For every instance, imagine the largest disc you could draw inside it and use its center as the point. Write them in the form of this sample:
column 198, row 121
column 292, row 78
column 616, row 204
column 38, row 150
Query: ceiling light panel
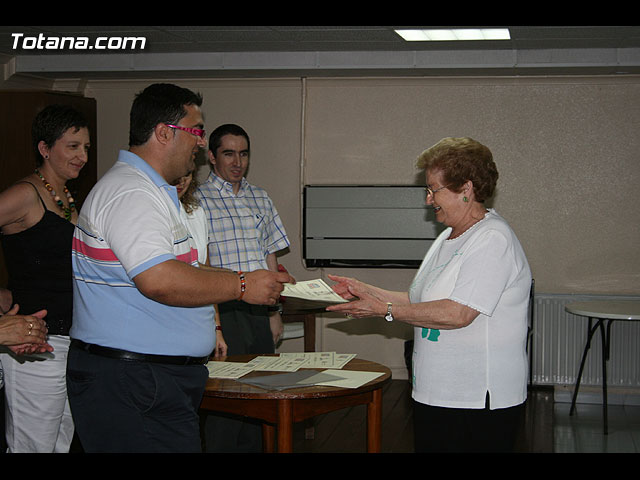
column 456, row 34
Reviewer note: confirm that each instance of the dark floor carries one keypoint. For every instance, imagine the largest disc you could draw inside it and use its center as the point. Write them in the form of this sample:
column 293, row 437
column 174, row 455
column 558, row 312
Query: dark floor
column 344, row 431
column 547, row 427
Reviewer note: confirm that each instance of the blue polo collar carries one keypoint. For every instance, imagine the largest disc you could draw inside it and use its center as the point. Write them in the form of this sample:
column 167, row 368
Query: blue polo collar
column 137, row 162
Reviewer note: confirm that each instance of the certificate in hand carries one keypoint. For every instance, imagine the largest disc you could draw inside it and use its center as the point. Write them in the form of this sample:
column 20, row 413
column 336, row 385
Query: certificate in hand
column 314, row 290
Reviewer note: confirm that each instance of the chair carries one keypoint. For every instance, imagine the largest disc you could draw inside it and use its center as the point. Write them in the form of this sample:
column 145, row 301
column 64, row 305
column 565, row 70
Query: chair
column 300, row 323
column 293, row 330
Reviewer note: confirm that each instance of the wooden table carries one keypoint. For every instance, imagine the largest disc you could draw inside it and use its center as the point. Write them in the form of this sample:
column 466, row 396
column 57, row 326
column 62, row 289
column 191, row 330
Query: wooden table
column 601, row 311
column 280, row 409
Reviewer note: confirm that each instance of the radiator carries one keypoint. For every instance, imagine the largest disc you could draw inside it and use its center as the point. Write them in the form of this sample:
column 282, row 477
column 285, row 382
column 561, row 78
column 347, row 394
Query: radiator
column 559, row 339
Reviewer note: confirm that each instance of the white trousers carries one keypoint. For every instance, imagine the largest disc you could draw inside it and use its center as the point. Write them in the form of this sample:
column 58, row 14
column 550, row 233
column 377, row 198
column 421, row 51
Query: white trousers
column 37, row 414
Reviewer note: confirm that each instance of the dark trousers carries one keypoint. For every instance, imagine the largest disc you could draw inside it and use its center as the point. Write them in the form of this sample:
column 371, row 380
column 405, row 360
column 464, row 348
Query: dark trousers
column 246, row 330
column 456, row 430
column 129, row 406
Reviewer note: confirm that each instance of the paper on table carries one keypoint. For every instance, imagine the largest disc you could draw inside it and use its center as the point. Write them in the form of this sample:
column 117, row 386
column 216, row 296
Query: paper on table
column 277, row 364
column 341, row 359
column 228, row 369
column 285, row 362
column 316, row 290
column 303, row 378
column 319, row 359
column 348, row 378
column 313, row 359
column 306, row 378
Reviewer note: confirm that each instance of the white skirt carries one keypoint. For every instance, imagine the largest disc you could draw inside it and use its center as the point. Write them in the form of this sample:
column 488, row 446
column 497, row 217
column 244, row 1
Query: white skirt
column 37, row 414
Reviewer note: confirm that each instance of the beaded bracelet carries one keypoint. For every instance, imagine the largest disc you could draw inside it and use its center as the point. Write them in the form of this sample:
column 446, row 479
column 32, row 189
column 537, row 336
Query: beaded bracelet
column 243, row 285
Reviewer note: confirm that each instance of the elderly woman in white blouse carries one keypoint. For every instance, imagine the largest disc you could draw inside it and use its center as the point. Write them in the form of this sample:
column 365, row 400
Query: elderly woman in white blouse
column 468, row 303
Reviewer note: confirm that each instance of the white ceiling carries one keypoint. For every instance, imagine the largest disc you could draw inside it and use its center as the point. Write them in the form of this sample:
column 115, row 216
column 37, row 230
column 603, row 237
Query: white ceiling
column 193, row 51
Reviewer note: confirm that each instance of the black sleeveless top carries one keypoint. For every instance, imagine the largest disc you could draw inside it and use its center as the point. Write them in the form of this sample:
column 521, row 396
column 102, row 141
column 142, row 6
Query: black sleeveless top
column 38, row 261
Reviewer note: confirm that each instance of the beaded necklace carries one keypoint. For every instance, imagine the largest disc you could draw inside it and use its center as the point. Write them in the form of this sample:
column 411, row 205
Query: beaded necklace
column 68, row 211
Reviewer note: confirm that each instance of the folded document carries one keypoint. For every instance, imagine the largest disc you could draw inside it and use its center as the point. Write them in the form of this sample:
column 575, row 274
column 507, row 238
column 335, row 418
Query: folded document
column 314, row 290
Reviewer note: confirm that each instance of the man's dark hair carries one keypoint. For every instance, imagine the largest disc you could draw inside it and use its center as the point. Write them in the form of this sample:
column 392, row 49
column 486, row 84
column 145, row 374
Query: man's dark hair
column 158, row 103
column 51, row 123
column 215, row 139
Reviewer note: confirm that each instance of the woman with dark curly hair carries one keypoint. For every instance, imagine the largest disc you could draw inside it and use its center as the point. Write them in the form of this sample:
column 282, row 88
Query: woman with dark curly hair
column 468, row 304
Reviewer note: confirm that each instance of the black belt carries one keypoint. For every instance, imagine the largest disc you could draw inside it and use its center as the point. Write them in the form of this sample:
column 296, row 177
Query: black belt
column 139, row 357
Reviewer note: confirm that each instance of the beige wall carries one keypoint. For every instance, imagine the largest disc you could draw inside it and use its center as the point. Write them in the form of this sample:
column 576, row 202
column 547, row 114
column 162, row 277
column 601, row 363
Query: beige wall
column 566, row 149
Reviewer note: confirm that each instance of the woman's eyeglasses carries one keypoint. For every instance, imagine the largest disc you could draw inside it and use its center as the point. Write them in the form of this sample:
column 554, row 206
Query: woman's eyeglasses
column 429, row 191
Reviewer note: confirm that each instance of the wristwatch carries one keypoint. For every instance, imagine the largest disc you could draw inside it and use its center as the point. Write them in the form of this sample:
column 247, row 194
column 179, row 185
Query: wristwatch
column 388, row 317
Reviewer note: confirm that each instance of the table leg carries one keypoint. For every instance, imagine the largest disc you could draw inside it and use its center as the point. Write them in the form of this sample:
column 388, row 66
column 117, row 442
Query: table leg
column 310, row 332
column 268, row 436
column 309, row 346
column 584, row 358
column 604, row 338
column 285, row 426
column 374, row 423
column 605, row 359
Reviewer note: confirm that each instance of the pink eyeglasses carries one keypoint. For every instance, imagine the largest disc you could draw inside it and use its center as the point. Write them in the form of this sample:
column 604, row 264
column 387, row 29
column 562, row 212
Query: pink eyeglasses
column 198, row 132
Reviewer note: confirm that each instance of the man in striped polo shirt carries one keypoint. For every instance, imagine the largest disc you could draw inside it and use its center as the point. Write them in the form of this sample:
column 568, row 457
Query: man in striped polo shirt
column 143, row 319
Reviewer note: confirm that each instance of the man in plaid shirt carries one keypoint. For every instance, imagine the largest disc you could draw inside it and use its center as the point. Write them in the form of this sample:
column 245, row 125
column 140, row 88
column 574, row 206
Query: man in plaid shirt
column 245, row 232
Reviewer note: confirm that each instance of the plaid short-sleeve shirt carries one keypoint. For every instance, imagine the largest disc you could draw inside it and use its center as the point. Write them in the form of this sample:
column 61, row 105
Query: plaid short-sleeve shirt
column 243, row 228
